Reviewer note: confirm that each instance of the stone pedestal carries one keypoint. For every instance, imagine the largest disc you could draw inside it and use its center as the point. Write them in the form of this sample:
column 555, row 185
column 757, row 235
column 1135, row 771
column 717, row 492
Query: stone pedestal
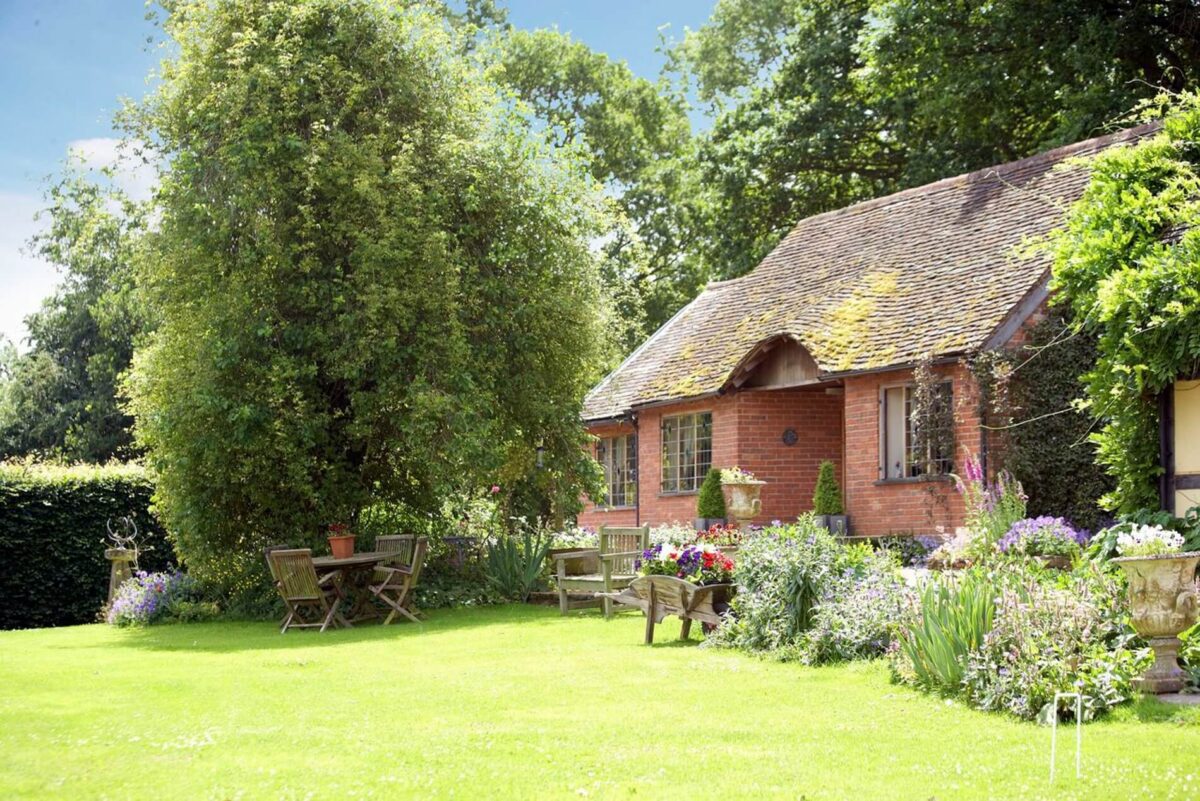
column 1162, row 602
column 122, row 568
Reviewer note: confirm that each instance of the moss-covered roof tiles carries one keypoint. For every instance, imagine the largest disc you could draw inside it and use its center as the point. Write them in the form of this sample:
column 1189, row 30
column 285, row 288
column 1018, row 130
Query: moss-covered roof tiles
column 930, row 270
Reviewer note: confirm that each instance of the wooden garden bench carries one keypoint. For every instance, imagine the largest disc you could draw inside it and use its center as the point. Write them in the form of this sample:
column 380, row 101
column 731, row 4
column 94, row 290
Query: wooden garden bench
column 619, row 549
column 659, row 596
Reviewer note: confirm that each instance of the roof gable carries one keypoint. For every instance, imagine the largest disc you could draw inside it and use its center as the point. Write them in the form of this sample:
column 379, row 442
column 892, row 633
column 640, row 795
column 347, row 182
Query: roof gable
column 932, row 270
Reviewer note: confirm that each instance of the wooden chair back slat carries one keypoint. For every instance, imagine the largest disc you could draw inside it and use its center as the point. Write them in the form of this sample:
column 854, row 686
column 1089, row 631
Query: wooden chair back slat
column 623, row 540
column 296, row 574
column 401, row 546
column 267, row 556
column 417, row 561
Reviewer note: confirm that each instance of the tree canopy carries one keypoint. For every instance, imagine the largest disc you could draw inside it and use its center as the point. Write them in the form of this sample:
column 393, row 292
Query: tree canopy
column 61, row 397
column 373, row 282
column 818, row 104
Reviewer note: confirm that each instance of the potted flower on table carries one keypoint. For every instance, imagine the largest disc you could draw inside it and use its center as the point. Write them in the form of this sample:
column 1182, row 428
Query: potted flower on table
column 341, row 541
column 1162, row 598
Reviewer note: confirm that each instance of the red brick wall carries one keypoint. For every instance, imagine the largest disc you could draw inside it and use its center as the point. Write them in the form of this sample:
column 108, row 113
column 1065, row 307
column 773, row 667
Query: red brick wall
column 877, row 508
column 598, row 516
column 790, row 471
column 747, row 431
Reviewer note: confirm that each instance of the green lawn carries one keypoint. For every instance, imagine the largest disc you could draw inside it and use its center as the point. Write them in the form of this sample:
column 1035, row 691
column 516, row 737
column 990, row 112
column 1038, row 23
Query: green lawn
column 517, row 702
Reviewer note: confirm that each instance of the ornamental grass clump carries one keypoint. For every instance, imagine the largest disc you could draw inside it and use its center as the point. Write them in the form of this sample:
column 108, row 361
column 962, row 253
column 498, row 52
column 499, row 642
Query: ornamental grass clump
column 955, row 615
column 1149, row 541
column 1042, row 536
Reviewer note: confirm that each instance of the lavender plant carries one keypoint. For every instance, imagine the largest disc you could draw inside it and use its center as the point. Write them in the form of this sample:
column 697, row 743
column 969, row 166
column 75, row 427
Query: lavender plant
column 149, row 598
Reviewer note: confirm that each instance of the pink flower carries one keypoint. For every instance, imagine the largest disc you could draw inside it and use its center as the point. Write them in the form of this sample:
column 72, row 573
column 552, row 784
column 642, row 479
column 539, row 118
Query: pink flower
column 495, row 488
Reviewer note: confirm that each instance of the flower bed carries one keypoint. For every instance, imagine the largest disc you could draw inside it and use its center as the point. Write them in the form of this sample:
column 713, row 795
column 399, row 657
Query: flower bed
column 697, row 564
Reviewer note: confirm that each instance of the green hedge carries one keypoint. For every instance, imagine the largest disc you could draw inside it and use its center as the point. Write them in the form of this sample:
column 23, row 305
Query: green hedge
column 52, row 539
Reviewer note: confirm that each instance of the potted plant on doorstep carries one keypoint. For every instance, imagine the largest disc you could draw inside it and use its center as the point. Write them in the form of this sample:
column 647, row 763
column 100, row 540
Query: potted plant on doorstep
column 710, row 504
column 742, row 493
column 827, row 501
column 1162, row 598
column 341, row 541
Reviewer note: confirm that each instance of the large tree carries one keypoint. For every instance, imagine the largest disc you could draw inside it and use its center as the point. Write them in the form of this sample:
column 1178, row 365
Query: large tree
column 819, row 103
column 635, row 138
column 60, row 398
column 373, row 283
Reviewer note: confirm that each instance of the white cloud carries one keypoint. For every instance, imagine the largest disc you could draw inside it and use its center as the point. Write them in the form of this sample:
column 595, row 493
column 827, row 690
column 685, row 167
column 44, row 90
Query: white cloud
column 132, row 174
column 24, row 279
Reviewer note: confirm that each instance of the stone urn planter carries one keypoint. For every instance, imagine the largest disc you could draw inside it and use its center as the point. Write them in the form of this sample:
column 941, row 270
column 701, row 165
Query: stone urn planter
column 743, row 500
column 1162, row 600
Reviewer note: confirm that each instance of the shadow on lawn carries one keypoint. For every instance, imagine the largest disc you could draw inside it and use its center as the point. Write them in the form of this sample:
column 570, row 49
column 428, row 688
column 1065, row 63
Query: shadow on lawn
column 231, row 636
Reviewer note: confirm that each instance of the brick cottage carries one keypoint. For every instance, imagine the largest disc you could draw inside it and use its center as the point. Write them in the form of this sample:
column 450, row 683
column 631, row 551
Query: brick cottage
column 810, row 356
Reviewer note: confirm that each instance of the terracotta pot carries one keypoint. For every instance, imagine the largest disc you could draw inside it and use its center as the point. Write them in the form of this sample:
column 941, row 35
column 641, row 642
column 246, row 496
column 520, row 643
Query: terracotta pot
column 1162, row 600
column 342, row 546
column 743, row 501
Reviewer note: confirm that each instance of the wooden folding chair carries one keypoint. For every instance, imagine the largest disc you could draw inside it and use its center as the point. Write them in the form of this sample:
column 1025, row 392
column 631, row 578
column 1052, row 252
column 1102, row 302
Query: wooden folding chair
column 395, row 588
column 271, row 567
column 400, row 548
column 301, row 590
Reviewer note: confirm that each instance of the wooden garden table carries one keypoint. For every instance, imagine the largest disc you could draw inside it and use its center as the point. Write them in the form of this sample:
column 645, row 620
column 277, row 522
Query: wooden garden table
column 353, row 578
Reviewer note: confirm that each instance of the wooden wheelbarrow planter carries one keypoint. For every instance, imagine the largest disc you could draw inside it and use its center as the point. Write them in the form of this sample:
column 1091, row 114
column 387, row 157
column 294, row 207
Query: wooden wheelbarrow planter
column 659, row 596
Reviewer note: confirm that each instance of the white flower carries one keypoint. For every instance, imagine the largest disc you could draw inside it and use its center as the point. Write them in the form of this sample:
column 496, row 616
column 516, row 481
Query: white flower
column 1149, row 541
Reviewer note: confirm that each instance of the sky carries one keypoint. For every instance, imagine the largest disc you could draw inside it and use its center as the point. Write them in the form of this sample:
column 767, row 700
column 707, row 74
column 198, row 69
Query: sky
column 66, row 64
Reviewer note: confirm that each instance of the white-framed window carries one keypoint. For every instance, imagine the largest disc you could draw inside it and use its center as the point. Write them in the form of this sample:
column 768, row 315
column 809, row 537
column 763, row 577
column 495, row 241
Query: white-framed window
column 686, row 451
column 618, row 457
column 902, row 453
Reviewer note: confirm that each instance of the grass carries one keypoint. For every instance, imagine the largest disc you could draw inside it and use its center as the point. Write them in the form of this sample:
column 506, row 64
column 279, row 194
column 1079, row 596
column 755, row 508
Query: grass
column 516, row 702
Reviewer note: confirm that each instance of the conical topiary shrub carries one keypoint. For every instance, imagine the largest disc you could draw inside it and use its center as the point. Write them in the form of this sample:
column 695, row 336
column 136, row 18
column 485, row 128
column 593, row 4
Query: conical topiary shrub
column 710, row 503
column 827, row 498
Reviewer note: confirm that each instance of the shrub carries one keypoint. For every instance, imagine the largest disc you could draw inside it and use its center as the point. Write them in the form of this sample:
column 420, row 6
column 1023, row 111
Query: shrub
column 1047, row 639
column 453, row 575
column 710, row 503
column 954, row 616
column 52, row 538
column 827, row 497
column 781, row 573
column 151, row 598
column 1042, row 536
column 863, row 615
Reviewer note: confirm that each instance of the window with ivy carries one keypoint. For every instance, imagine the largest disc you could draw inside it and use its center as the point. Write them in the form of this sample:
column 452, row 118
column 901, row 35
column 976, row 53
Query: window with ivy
column 686, row 451
column 618, row 457
column 916, row 442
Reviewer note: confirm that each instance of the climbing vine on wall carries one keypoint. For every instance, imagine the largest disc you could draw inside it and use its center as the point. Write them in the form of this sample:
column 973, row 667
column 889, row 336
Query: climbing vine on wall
column 1031, row 400
column 1127, row 265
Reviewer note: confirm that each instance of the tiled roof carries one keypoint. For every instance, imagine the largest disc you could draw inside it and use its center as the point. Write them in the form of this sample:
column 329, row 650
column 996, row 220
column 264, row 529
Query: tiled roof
column 932, row 270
